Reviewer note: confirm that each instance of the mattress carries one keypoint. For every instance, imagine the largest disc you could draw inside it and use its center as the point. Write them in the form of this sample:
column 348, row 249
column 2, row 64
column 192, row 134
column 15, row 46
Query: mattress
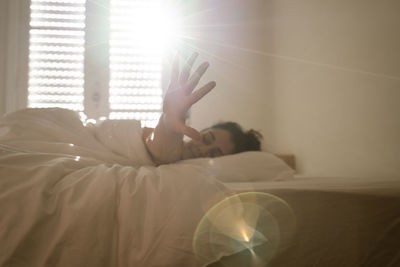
column 334, row 222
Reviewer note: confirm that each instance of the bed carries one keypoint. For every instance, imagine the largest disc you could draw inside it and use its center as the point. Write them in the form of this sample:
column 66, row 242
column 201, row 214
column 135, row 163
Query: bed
column 88, row 195
column 339, row 221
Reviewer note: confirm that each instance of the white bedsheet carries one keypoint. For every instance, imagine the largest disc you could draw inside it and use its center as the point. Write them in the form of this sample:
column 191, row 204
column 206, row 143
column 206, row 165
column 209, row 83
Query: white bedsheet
column 77, row 196
column 90, row 196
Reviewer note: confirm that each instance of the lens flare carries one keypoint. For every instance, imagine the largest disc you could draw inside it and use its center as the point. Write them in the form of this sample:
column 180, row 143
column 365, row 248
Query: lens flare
column 246, row 228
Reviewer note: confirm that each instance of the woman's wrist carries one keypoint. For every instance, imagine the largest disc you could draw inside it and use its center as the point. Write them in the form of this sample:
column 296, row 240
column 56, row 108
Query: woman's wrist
column 167, row 121
column 165, row 144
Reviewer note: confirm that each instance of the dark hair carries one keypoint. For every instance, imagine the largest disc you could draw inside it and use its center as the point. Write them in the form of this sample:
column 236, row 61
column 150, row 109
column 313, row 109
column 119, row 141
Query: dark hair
column 243, row 141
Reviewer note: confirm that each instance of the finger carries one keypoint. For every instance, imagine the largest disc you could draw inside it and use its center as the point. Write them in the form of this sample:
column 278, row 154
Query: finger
column 198, row 94
column 191, row 132
column 196, row 76
column 174, row 73
column 186, row 69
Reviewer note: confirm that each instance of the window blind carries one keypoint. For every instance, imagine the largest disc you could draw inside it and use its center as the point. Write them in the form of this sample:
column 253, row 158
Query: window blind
column 136, row 50
column 56, row 54
column 57, row 51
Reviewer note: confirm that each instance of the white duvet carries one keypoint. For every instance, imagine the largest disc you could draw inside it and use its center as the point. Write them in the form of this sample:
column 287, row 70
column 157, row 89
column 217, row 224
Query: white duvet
column 72, row 195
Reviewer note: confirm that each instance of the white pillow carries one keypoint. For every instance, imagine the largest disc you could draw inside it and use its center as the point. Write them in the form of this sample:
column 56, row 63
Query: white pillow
column 245, row 167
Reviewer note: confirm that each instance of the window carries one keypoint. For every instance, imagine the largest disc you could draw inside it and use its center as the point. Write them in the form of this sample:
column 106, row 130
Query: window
column 56, row 54
column 63, row 56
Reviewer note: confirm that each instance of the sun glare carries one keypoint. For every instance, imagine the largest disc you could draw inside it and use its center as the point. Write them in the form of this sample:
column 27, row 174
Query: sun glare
column 150, row 23
column 157, row 27
column 142, row 34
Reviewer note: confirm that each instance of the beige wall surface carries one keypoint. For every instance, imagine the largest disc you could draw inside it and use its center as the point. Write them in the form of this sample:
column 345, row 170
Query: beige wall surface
column 14, row 38
column 3, row 34
column 230, row 34
column 336, row 85
column 320, row 79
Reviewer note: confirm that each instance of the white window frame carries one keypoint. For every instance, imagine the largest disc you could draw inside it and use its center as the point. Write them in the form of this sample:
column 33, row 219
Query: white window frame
column 16, row 55
column 96, row 60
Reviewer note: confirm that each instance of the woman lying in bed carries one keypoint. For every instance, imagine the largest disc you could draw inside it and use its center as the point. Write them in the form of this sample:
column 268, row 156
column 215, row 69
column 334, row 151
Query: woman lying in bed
column 165, row 143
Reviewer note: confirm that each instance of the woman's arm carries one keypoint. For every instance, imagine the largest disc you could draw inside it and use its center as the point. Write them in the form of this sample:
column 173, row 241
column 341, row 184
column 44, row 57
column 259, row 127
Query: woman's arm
column 164, row 145
column 165, row 142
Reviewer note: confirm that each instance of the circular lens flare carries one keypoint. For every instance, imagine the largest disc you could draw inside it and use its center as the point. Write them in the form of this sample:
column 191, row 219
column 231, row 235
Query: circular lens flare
column 247, row 228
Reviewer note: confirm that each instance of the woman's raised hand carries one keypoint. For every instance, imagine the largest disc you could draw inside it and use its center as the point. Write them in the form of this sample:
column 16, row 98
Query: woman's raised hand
column 180, row 96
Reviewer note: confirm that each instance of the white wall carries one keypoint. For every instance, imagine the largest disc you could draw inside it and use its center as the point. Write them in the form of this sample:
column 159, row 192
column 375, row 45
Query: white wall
column 337, row 94
column 321, row 79
column 3, row 34
column 230, row 34
column 14, row 36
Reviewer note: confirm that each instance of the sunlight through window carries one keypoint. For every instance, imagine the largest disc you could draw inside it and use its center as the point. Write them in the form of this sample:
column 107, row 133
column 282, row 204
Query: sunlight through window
column 141, row 32
column 56, row 54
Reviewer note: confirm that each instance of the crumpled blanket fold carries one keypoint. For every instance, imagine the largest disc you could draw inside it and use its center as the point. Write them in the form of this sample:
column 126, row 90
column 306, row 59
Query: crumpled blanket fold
column 76, row 195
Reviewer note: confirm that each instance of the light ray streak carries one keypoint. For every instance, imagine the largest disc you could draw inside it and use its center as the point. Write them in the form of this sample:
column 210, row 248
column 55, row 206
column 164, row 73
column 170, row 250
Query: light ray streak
column 252, row 23
column 220, row 74
column 205, row 52
column 296, row 59
column 201, row 12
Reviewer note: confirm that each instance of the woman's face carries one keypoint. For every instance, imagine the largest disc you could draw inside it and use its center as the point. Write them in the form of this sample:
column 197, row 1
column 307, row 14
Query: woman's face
column 214, row 143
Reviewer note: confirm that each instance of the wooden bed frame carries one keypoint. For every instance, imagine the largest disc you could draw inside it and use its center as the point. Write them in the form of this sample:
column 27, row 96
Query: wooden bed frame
column 289, row 159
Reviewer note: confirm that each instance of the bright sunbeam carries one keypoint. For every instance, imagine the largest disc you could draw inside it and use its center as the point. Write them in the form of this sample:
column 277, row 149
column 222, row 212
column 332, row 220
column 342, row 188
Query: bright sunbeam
column 149, row 23
column 169, row 27
column 142, row 34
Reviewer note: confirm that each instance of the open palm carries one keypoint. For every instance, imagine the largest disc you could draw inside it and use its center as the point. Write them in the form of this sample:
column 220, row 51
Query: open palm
column 181, row 96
